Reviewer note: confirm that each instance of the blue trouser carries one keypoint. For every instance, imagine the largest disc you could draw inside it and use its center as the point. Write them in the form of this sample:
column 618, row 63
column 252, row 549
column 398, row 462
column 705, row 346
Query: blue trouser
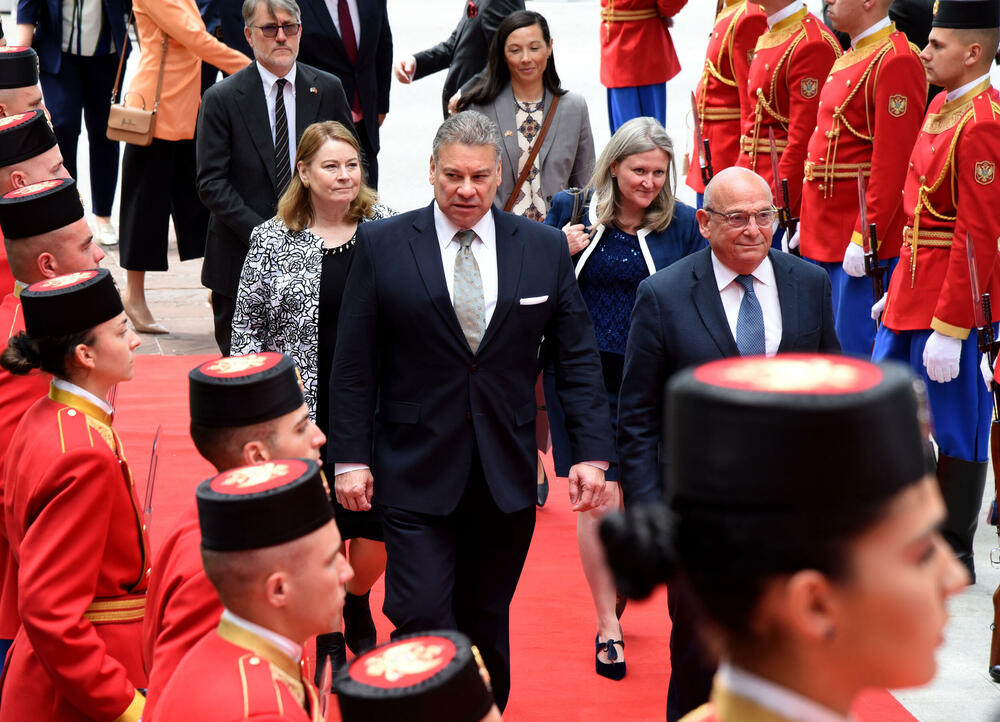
column 637, row 101
column 852, row 305
column 961, row 409
column 83, row 86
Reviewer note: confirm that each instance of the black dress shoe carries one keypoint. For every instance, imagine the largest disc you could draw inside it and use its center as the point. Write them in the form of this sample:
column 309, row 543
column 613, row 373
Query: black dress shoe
column 612, row 670
column 332, row 646
column 359, row 627
column 995, row 673
column 542, row 491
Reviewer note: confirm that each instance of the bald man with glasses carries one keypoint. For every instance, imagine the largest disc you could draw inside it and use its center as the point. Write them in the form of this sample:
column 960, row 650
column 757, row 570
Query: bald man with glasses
column 735, row 298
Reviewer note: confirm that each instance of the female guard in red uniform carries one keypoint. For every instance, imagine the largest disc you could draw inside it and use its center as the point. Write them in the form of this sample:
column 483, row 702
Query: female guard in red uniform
column 76, row 533
column 819, row 568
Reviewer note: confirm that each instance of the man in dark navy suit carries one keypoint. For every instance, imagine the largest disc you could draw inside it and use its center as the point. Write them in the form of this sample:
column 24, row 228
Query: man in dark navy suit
column 443, row 314
column 737, row 297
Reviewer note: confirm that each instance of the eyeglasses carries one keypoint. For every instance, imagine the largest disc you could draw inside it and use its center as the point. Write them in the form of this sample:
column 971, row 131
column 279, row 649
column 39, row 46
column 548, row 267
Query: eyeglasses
column 271, row 31
column 740, row 219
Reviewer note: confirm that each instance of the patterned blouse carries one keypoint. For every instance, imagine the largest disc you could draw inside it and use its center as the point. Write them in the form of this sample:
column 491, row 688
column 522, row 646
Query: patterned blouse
column 529, row 117
column 277, row 305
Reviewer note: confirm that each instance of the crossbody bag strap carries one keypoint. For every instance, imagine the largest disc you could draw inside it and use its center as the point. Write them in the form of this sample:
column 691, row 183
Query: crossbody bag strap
column 532, row 154
column 121, row 60
column 159, row 80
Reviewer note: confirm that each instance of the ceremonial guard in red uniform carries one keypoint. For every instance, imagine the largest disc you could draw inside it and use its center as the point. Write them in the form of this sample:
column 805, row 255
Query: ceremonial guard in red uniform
column 723, row 105
column 422, row 677
column 790, row 64
column 637, row 57
column 76, row 533
column 951, row 190
column 877, row 88
column 20, row 92
column 244, row 409
column 270, row 547
column 59, row 246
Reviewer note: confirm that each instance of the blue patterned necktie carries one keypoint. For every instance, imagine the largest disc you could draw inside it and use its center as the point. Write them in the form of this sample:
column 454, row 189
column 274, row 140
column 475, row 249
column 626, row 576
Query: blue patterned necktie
column 750, row 322
column 470, row 304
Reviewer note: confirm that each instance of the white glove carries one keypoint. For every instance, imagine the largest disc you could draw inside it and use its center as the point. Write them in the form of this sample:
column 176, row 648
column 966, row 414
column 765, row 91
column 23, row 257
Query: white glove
column 941, row 354
column 877, row 308
column 987, row 372
column 787, row 244
column 854, row 260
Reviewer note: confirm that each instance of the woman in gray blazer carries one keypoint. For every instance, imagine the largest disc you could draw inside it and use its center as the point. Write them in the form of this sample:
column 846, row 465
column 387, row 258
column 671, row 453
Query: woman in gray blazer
column 517, row 90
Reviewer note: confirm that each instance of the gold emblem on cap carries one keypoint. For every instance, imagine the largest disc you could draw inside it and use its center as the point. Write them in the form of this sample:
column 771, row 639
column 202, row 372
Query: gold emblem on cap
column 936, row 4
column 11, row 119
column 33, row 188
column 789, row 375
column 255, row 475
column 236, row 364
column 62, row 281
column 404, row 659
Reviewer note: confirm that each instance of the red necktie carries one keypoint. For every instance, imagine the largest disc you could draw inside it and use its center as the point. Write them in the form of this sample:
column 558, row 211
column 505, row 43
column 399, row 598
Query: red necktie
column 350, row 45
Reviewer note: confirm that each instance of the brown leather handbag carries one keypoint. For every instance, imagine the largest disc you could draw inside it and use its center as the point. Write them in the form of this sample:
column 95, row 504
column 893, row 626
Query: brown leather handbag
column 130, row 124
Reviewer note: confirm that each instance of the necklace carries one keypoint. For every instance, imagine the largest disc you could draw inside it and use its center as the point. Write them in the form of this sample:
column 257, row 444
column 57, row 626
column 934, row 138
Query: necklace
column 530, row 106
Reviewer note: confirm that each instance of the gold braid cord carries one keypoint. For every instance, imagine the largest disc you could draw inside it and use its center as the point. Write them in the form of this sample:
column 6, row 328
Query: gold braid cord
column 712, row 68
column 923, row 195
column 766, row 104
column 833, row 135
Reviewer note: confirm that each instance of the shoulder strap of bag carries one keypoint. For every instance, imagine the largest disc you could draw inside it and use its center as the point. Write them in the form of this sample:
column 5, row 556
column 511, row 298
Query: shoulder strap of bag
column 159, row 80
column 121, row 60
column 121, row 64
column 532, row 154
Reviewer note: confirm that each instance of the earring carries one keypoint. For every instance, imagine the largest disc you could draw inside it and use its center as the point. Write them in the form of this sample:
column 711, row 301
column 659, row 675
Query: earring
column 305, row 183
column 613, row 175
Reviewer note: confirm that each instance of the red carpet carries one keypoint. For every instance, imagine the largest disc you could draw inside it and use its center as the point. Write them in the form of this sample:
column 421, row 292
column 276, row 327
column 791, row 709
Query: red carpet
column 552, row 619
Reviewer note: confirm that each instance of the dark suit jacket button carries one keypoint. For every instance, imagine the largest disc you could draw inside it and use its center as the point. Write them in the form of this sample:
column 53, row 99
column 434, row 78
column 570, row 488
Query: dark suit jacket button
column 473, row 368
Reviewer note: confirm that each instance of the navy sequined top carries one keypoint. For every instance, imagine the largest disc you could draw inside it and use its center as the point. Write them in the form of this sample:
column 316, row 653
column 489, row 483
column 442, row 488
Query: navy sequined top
column 608, row 282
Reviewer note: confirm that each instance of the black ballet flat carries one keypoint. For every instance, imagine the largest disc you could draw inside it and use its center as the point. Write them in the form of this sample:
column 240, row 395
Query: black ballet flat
column 332, row 646
column 995, row 673
column 542, row 491
column 359, row 627
column 612, row 670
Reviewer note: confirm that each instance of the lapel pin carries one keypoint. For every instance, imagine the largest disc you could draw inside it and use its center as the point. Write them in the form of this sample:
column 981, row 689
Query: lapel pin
column 314, row 91
column 508, row 134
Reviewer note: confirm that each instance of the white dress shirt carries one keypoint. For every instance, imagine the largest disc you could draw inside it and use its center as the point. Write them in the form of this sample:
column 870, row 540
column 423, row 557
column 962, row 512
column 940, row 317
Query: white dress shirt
column 883, row 23
column 780, row 700
column 352, row 8
column 766, row 289
column 959, row 92
column 484, row 248
column 785, row 12
column 287, row 646
column 81, row 26
column 271, row 96
column 72, row 388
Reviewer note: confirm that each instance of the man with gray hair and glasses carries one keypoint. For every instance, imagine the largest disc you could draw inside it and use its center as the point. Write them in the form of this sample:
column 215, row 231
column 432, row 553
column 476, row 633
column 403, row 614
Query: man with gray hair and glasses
column 248, row 130
column 433, row 393
column 735, row 298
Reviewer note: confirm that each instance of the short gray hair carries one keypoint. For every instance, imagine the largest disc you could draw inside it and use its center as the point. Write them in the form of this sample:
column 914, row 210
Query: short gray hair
column 250, row 7
column 470, row 127
column 635, row 136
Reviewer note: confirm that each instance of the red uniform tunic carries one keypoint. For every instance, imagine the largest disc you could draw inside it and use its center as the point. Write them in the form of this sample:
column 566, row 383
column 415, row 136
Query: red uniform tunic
column 233, row 675
column 80, row 546
column 876, row 89
column 723, row 106
column 951, row 188
column 636, row 47
column 182, row 606
column 790, row 65
column 17, row 394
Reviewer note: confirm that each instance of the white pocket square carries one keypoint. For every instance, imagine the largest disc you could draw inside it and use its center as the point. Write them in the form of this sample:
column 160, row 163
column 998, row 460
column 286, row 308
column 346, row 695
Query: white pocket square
column 534, row 300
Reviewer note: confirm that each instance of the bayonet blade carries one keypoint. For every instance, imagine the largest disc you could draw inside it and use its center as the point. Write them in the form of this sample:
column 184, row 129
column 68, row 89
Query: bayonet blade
column 863, row 210
column 977, row 296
